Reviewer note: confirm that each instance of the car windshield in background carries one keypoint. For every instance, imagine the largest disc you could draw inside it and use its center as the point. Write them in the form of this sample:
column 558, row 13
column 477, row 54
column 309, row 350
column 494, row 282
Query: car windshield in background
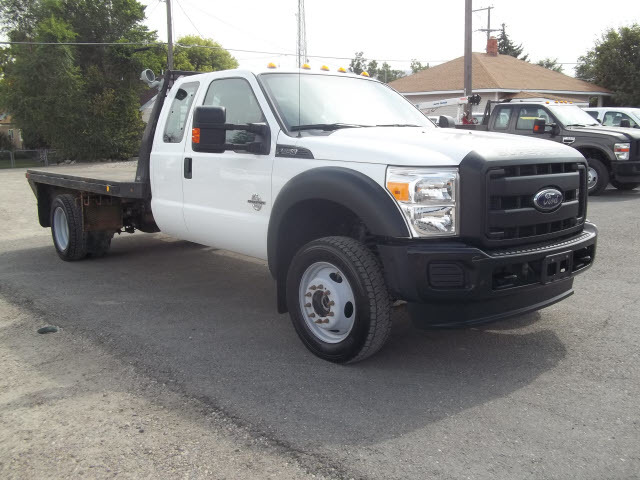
column 331, row 102
column 572, row 116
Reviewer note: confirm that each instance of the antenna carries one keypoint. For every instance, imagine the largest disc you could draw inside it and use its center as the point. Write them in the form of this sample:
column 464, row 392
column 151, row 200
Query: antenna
column 301, row 43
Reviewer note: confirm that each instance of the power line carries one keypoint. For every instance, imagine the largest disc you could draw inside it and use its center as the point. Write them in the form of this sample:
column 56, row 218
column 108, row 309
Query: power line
column 151, row 44
column 189, row 18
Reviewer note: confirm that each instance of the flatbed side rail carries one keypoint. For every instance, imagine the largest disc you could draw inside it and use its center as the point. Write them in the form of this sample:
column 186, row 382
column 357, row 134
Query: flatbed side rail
column 133, row 190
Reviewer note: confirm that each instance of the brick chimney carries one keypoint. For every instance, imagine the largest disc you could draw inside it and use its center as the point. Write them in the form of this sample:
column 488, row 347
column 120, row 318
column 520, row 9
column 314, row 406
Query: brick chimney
column 492, row 47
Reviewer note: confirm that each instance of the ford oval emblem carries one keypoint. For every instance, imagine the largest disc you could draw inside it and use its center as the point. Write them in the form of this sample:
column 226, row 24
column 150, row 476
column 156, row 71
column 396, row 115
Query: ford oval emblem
column 548, row 199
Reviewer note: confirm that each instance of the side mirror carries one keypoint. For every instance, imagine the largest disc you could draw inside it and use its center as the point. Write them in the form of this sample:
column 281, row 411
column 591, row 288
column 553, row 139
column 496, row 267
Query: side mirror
column 539, row 125
column 210, row 132
column 445, row 121
column 625, row 123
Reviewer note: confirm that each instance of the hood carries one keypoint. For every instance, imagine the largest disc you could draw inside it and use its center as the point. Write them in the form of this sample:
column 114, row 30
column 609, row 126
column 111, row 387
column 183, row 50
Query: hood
column 618, row 133
column 417, row 146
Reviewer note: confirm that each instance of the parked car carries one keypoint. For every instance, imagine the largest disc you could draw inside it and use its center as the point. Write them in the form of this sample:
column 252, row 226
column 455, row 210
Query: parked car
column 614, row 116
column 352, row 207
column 613, row 153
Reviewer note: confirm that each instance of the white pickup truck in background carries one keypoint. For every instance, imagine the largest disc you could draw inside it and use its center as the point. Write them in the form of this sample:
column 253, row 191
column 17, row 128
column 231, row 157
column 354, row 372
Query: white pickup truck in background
column 353, row 196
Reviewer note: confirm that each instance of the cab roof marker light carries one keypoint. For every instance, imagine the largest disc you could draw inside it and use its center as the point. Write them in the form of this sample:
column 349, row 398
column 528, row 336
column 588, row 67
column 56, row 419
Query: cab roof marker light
column 306, row 66
column 324, row 68
column 342, row 70
column 271, row 65
column 365, row 74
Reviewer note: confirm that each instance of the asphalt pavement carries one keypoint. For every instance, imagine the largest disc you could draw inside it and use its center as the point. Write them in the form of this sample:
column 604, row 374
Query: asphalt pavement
column 550, row 395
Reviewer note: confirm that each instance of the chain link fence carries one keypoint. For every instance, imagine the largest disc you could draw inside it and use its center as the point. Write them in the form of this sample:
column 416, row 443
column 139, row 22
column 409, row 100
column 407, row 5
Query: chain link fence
column 28, row 158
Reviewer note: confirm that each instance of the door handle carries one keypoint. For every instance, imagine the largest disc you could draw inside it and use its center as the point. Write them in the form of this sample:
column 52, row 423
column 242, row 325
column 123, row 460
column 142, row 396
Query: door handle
column 188, row 172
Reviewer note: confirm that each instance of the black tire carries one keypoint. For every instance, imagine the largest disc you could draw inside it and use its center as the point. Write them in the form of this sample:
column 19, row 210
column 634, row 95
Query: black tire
column 98, row 243
column 76, row 246
column 624, row 186
column 602, row 176
column 372, row 319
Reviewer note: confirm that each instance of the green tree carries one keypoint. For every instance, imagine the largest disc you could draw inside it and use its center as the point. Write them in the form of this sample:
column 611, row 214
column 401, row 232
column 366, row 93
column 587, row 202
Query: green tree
column 387, row 75
column 417, row 66
column 614, row 63
column 358, row 64
column 507, row 47
column 551, row 64
column 201, row 55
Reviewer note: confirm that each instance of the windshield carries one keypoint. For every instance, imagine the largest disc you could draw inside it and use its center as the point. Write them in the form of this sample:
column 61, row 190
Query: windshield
column 570, row 115
column 328, row 102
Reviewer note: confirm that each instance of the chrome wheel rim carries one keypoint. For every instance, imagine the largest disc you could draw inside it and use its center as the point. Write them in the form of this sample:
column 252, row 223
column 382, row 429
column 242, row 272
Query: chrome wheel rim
column 327, row 302
column 592, row 178
column 60, row 229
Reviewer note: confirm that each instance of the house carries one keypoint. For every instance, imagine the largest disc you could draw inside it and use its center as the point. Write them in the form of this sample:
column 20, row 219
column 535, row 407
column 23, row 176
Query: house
column 10, row 130
column 495, row 77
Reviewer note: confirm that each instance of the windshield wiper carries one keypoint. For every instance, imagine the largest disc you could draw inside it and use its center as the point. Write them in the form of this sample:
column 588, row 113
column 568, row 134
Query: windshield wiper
column 397, row 125
column 325, row 126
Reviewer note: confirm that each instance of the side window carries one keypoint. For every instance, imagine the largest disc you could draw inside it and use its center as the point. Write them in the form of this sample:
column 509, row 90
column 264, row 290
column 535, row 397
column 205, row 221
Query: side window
column 177, row 118
column 503, row 115
column 527, row 117
column 236, row 95
column 613, row 119
column 593, row 114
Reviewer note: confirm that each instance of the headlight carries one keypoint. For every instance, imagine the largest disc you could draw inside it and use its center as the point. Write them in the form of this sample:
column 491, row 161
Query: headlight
column 622, row 150
column 427, row 198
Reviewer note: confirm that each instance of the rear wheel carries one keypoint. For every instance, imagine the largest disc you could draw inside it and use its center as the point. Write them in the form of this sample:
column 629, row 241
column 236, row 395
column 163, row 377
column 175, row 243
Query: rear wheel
column 338, row 300
column 624, row 186
column 69, row 238
column 598, row 176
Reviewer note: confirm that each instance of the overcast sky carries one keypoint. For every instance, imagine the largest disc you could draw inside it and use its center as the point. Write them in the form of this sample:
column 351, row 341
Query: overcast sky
column 396, row 31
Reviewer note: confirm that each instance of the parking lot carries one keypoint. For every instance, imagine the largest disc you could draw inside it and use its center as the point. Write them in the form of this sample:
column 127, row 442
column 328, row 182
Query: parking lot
column 187, row 336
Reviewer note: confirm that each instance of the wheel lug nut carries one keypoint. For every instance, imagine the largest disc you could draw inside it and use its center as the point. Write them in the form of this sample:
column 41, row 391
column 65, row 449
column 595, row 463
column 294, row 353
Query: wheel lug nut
column 308, row 294
column 326, row 320
column 312, row 287
column 330, row 314
column 312, row 315
column 321, row 286
column 307, row 304
column 328, row 292
column 332, row 303
column 318, row 321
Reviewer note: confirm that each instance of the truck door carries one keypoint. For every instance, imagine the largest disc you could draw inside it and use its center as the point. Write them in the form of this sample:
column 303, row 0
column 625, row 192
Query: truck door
column 166, row 160
column 227, row 196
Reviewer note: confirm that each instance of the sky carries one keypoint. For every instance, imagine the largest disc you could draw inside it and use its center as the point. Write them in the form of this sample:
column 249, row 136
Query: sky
column 396, row 31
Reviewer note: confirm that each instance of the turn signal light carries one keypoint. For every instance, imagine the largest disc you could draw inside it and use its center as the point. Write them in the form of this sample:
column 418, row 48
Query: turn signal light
column 399, row 190
column 195, row 135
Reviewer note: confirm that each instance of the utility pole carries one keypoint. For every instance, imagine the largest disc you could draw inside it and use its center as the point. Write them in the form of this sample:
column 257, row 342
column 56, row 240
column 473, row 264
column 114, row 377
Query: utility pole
column 169, row 37
column 488, row 29
column 467, row 53
column 301, row 43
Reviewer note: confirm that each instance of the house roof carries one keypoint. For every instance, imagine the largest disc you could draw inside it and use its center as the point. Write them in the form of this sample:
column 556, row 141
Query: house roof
column 502, row 72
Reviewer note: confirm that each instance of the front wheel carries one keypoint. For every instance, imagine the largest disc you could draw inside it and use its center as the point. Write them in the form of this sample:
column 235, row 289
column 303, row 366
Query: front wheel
column 597, row 177
column 338, row 300
column 624, row 186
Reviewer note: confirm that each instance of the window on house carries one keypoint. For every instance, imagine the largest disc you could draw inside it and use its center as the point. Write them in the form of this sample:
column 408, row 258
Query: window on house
column 180, row 106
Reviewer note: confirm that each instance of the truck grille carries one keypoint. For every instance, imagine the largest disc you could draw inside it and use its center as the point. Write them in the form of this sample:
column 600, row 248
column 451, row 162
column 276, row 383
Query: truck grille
column 512, row 216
